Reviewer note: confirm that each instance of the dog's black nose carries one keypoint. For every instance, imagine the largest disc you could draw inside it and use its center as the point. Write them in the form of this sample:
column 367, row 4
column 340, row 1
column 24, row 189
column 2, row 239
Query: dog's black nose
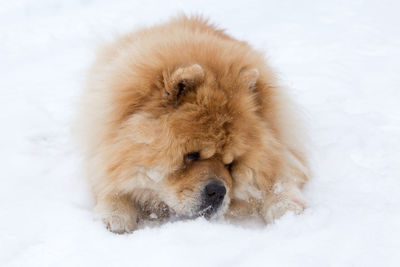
column 213, row 196
column 215, row 192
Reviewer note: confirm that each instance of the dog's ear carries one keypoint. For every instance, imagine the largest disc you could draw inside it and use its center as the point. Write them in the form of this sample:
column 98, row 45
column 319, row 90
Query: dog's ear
column 249, row 77
column 182, row 80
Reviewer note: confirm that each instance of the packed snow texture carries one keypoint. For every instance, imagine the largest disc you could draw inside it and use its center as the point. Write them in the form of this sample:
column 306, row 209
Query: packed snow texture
column 341, row 63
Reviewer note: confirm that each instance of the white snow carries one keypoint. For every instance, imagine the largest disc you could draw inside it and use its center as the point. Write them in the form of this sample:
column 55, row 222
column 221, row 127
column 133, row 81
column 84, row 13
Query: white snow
column 341, row 60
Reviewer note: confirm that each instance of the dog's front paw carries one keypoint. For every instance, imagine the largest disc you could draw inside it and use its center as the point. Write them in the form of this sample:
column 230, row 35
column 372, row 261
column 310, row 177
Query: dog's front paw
column 119, row 214
column 278, row 209
column 289, row 200
column 119, row 223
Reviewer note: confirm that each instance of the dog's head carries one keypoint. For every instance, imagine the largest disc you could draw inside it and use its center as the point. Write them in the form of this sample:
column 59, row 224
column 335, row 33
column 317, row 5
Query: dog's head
column 194, row 136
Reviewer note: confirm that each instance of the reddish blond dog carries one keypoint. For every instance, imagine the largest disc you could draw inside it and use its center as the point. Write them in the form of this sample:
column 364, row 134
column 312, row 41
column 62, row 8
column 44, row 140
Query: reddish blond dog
column 182, row 119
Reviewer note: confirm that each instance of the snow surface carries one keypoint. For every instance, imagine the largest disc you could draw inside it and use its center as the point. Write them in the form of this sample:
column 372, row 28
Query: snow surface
column 341, row 60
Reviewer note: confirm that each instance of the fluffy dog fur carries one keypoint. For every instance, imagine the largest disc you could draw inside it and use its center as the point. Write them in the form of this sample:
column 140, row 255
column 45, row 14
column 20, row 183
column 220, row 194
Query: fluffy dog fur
column 160, row 93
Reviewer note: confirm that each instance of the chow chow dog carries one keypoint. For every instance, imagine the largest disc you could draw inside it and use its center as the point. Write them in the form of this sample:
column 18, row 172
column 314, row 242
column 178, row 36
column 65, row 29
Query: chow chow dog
column 181, row 119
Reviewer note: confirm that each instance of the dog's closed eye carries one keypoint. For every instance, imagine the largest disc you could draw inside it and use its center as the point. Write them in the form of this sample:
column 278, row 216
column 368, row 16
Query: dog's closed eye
column 229, row 166
column 190, row 157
